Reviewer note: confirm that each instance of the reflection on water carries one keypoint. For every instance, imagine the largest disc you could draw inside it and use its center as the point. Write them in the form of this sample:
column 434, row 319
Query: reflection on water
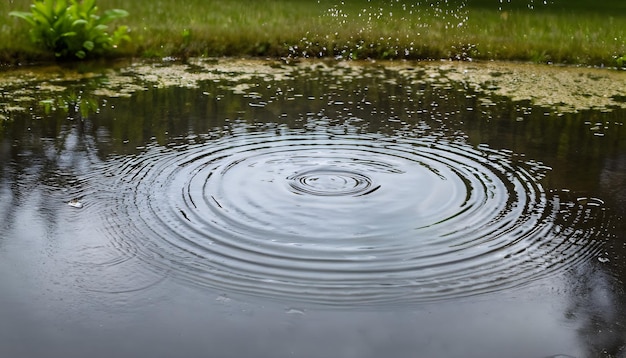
column 322, row 190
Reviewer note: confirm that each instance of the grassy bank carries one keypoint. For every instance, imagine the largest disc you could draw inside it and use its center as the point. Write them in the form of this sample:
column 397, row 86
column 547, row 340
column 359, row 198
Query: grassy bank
column 561, row 32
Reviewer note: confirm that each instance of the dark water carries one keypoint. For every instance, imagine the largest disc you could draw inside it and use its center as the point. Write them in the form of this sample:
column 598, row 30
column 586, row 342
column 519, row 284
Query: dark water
column 326, row 214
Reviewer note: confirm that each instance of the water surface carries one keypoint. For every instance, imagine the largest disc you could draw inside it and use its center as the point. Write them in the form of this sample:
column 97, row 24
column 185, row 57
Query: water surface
column 310, row 211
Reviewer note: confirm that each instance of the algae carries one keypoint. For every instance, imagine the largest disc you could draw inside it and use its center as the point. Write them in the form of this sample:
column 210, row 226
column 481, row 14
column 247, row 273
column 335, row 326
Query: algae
column 559, row 88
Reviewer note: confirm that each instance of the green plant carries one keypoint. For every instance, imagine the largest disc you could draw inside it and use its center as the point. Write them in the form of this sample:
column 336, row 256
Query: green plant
column 186, row 37
column 73, row 29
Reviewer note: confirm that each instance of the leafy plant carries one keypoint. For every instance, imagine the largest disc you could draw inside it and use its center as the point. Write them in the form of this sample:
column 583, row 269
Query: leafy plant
column 73, row 29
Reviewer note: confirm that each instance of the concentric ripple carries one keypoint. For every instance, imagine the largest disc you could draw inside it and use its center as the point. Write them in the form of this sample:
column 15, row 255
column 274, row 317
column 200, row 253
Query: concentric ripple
column 347, row 219
column 331, row 182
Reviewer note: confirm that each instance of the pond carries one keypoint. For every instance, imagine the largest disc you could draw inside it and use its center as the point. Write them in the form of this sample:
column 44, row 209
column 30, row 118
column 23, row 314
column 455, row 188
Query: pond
column 237, row 208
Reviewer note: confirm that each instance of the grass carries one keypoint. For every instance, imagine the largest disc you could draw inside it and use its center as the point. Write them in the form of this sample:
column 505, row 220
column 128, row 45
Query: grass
column 564, row 31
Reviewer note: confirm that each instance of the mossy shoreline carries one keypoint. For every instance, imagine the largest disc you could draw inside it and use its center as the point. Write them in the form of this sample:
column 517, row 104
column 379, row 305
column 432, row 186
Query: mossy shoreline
column 561, row 32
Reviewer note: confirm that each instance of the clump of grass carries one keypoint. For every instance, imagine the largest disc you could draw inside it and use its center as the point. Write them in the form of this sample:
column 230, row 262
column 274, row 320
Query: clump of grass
column 546, row 36
column 72, row 29
column 561, row 32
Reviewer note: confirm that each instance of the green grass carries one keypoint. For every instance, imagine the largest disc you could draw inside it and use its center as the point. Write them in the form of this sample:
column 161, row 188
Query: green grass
column 564, row 31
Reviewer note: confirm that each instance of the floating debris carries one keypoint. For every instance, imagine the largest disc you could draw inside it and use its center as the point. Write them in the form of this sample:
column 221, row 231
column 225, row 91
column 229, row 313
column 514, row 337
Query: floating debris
column 566, row 89
column 223, row 299
column 75, row 203
column 295, row 311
